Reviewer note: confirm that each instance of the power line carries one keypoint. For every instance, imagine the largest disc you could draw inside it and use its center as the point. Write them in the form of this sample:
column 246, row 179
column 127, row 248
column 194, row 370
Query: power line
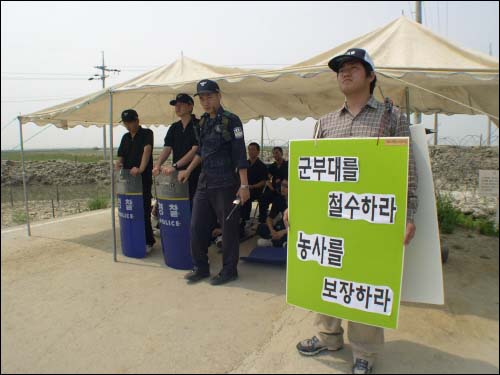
column 33, row 136
column 34, row 100
column 125, row 69
column 40, row 79
column 34, row 97
column 9, row 123
column 142, row 66
column 226, row 66
column 237, row 65
column 47, row 74
column 79, row 74
column 78, row 94
column 134, row 70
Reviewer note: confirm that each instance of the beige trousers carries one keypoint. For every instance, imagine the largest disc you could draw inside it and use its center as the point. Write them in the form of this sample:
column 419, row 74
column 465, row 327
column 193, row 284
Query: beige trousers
column 366, row 341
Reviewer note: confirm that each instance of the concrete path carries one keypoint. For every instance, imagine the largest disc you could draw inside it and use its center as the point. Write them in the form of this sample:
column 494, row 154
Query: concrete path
column 68, row 308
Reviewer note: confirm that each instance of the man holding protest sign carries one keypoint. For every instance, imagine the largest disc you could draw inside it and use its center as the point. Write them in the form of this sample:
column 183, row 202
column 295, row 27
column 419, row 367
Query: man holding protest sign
column 360, row 117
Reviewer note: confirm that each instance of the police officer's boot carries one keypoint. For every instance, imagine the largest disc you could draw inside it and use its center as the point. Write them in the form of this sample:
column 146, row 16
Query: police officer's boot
column 196, row 275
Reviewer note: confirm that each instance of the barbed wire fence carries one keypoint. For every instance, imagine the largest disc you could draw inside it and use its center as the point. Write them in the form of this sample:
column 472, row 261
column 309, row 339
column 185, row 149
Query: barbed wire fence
column 469, row 140
column 457, row 173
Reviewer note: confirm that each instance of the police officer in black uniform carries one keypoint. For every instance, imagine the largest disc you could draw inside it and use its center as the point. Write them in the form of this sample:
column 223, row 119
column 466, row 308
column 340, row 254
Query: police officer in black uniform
column 223, row 177
column 278, row 171
column 257, row 177
column 182, row 140
column 135, row 153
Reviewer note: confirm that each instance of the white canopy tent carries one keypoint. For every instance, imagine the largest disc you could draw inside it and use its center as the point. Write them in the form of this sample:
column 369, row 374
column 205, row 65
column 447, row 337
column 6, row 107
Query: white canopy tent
column 148, row 94
column 441, row 78
column 419, row 70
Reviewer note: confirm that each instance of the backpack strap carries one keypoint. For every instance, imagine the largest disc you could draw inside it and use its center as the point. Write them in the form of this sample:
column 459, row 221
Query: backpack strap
column 385, row 120
column 226, row 134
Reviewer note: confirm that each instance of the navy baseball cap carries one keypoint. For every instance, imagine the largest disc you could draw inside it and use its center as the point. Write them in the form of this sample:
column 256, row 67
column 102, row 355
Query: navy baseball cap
column 206, row 86
column 352, row 54
column 129, row 115
column 182, row 98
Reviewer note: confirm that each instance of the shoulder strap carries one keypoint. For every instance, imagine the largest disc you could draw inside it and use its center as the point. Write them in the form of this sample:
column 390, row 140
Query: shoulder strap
column 226, row 134
column 196, row 129
column 202, row 121
column 386, row 117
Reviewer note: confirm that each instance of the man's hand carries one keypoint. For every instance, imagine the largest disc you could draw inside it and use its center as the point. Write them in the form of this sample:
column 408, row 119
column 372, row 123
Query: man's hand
column 118, row 165
column 244, row 194
column 135, row 171
column 274, row 235
column 278, row 235
column 156, row 170
column 285, row 219
column 183, row 176
column 270, row 185
column 410, row 233
column 167, row 171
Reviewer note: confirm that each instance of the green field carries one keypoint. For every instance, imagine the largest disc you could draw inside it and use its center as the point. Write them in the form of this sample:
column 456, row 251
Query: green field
column 92, row 155
column 48, row 192
column 84, row 155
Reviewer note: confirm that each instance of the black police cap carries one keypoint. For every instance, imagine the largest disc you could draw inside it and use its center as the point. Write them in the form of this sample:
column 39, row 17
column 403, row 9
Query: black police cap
column 129, row 115
column 206, row 86
column 182, row 98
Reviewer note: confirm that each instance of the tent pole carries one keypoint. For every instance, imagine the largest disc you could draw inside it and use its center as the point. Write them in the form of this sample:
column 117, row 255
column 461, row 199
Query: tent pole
column 417, row 116
column 112, row 173
column 24, row 178
column 407, row 98
column 262, row 133
column 488, row 136
column 435, row 129
column 104, row 141
column 488, row 141
column 103, row 79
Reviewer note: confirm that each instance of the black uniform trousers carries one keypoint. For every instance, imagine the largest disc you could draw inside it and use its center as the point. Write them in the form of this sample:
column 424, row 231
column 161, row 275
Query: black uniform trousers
column 146, row 197
column 246, row 209
column 210, row 206
column 193, row 185
column 264, row 202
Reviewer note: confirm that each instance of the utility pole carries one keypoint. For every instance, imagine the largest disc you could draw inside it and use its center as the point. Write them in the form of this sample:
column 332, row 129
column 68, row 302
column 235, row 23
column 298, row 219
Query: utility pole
column 418, row 11
column 103, row 77
column 417, row 117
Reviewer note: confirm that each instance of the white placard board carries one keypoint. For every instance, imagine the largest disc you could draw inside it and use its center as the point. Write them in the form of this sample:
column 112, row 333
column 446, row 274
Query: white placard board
column 423, row 273
column 488, row 183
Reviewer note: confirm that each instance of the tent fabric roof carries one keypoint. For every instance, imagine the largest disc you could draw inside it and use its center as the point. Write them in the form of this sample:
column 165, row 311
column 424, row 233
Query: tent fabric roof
column 408, row 51
column 405, row 45
column 402, row 49
column 140, row 93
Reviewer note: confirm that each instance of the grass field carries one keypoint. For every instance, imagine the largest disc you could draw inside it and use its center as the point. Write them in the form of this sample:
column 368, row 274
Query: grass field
column 90, row 155
column 83, row 155
column 48, row 192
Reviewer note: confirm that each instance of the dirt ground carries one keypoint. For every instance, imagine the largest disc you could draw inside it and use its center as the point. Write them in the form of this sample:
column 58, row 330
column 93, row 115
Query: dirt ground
column 68, row 308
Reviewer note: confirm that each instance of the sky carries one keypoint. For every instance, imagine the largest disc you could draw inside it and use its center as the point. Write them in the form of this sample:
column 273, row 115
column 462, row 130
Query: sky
column 49, row 50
